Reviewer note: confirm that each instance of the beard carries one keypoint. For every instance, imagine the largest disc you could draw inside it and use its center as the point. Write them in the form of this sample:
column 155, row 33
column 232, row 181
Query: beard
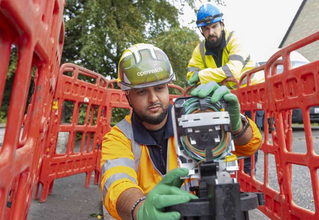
column 214, row 42
column 154, row 120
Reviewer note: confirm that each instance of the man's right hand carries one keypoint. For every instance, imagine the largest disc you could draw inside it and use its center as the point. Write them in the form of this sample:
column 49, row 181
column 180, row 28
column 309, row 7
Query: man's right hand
column 194, row 80
column 166, row 193
column 219, row 92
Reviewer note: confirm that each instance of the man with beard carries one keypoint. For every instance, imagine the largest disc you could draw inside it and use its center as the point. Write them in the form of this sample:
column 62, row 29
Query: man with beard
column 139, row 162
column 220, row 55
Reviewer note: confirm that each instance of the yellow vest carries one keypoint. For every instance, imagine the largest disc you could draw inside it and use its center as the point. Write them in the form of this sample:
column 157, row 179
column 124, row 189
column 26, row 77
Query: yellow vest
column 235, row 62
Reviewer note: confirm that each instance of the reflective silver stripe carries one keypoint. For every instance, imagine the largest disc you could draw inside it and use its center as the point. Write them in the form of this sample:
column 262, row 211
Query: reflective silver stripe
column 252, row 75
column 113, row 178
column 117, row 162
column 167, row 154
column 237, row 57
column 230, row 35
column 246, row 61
column 127, row 130
column 191, row 69
column 186, row 185
column 227, row 71
column 202, row 51
column 228, row 39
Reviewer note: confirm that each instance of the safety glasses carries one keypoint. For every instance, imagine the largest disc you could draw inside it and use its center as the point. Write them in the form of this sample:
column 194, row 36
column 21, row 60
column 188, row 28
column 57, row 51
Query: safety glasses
column 208, row 19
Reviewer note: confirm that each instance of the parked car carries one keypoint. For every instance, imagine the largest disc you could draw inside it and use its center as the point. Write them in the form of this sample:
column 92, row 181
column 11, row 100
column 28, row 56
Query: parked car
column 313, row 113
column 297, row 60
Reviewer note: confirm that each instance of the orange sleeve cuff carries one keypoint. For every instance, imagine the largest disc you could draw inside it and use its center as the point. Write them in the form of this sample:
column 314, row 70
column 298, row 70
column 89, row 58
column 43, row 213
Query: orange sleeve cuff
column 114, row 193
column 252, row 146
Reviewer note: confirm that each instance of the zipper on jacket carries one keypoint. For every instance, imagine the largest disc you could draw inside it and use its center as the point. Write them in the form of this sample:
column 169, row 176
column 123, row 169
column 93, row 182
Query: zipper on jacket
column 161, row 156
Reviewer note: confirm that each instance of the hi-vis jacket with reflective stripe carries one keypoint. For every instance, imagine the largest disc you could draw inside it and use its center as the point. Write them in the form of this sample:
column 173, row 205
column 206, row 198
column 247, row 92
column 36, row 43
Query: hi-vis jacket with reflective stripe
column 235, row 62
column 126, row 161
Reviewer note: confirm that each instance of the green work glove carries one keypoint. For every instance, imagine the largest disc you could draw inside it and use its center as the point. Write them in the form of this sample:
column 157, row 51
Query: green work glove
column 166, row 193
column 193, row 81
column 219, row 92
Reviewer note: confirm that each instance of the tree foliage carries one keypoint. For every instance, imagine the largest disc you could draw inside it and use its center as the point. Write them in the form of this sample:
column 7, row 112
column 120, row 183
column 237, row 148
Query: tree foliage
column 9, row 84
column 178, row 43
column 97, row 32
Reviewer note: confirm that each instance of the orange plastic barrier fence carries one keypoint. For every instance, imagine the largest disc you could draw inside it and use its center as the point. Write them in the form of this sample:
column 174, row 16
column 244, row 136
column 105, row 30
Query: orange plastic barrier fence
column 35, row 29
column 84, row 93
column 277, row 96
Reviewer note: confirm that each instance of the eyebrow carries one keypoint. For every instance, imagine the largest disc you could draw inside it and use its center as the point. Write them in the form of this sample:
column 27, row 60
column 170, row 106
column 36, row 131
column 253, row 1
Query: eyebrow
column 210, row 25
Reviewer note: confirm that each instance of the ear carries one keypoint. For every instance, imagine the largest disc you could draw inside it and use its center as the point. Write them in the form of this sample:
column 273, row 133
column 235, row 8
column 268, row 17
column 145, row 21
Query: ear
column 200, row 30
column 222, row 24
column 128, row 100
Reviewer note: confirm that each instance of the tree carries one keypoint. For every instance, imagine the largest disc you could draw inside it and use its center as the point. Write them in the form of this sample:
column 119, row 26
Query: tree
column 98, row 31
column 178, row 43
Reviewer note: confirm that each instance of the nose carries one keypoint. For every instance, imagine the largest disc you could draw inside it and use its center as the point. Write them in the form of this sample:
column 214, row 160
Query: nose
column 152, row 96
column 211, row 30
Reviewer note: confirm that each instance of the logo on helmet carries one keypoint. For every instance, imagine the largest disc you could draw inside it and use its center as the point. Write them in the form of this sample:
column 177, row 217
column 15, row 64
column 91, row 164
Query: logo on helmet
column 146, row 72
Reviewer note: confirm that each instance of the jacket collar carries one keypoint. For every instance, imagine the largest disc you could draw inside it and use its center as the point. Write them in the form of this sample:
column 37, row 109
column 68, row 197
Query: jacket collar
column 143, row 137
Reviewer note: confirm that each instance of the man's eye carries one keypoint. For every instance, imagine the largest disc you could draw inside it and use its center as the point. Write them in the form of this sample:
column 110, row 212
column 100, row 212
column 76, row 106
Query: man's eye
column 205, row 28
column 160, row 88
column 140, row 92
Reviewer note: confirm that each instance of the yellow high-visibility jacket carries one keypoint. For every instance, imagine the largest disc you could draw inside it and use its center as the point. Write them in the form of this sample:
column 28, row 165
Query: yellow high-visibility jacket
column 126, row 161
column 235, row 62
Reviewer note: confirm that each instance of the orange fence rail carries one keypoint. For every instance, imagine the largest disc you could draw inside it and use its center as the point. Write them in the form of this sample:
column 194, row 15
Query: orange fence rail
column 35, row 30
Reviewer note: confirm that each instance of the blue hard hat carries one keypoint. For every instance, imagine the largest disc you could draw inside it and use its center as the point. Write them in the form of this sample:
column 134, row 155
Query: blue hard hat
column 208, row 14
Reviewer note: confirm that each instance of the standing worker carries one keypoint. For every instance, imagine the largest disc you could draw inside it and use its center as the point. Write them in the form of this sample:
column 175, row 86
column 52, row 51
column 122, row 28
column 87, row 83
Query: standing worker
column 220, row 56
column 139, row 162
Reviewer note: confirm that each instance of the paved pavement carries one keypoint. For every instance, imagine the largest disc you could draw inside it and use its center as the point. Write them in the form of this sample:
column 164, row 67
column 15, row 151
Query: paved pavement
column 70, row 200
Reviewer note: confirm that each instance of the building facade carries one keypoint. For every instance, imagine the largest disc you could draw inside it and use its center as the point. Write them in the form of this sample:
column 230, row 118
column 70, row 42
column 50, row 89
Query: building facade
column 304, row 24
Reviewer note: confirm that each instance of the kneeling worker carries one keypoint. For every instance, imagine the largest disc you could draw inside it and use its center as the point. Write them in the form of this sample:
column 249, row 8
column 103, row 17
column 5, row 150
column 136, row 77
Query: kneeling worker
column 139, row 161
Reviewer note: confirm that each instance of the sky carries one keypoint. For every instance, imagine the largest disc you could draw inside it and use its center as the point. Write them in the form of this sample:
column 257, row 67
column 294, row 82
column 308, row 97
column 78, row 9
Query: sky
column 259, row 24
